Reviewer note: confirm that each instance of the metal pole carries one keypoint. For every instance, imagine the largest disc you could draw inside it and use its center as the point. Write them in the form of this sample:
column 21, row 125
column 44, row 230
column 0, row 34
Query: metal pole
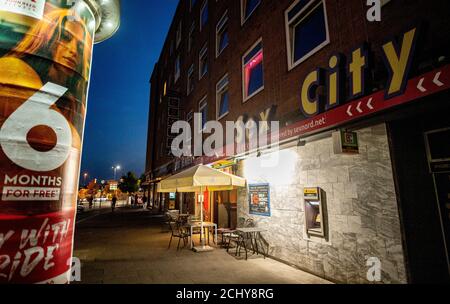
column 202, row 198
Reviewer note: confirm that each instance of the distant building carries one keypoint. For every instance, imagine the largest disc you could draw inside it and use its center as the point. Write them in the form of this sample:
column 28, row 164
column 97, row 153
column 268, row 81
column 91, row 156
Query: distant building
column 319, row 67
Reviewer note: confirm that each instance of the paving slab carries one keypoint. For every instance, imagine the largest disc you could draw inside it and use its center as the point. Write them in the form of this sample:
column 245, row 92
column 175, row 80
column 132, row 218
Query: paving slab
column 131, row 247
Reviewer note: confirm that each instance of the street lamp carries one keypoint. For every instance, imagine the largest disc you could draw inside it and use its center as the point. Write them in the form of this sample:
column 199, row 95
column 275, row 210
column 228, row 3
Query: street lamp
column 115, row 170
column 85, row 177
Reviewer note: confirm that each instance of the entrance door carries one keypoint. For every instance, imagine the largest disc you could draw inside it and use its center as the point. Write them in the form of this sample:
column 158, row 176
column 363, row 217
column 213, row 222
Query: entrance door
column 419, row 141
column 438, row 152
column 225, row 209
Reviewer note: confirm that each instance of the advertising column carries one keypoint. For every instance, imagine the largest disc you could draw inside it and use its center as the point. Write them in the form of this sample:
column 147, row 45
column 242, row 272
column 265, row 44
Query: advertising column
column 45, row 60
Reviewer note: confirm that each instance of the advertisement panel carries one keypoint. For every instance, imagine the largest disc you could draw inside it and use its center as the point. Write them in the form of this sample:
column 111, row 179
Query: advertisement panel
column 259, row 199
column 45, row 61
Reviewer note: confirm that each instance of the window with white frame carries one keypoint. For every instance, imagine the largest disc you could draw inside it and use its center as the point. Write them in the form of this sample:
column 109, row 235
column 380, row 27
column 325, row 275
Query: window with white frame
column 222, row 34
column 253, row 71
column 203, row 62
column 204, row 15
column 203, row 109
column 306, row 30
column 190, row 80
column 222, row 97
column 191, row 37
column 177, row 68
column 189, row 117
column 179, row 34
column 247, row 8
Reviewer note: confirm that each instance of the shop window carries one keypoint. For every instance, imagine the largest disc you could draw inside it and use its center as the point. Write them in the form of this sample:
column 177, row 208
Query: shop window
column 247, row 8
column 190, row 80
column 177, row 68
column 203, row 109
column 307, row 30
column 222, row 34
column 222, row 97
column 191, row 37
column 203, row 62
column 204, row 15
column 179, row 34
column 253, row 72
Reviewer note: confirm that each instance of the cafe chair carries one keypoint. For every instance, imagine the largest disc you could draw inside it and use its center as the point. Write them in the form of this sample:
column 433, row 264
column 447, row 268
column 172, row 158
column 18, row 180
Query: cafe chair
column 178, row 232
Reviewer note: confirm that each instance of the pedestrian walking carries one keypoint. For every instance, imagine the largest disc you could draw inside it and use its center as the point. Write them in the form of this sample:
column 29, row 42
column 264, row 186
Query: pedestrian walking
column 113, row 203
column 144, row 201
column 91, row 202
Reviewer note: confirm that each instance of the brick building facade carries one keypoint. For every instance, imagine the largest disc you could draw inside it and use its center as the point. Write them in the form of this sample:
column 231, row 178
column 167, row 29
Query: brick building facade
column 374, row 199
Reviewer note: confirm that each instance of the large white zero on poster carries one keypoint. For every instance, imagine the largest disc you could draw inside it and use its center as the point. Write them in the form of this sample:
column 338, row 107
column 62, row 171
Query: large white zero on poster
column 36, row 111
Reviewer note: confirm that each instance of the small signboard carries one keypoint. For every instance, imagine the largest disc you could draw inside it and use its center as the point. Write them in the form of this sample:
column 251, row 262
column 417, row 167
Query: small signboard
column 311, row 193
column 259, row 199
column 224, row 164
column 32, row 8
column 345, row 142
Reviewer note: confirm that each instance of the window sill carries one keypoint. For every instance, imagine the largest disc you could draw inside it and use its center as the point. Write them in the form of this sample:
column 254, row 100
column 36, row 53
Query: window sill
column 223, row 116
column 253, row 95
column 220, row 53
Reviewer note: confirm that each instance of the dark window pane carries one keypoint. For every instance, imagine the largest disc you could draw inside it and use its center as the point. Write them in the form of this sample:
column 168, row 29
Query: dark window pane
column 204, row 116
column 253, row 53
column 250, row 6
column 204, row 67
column 297, row 8
column 205, row 15
column 223, row 40
column 224, row 103
column 310, row 33
column 256, row 80
column 439, row 145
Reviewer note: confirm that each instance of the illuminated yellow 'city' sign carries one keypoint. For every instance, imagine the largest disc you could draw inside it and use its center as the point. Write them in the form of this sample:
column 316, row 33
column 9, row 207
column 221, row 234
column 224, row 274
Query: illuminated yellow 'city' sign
column 396, row 56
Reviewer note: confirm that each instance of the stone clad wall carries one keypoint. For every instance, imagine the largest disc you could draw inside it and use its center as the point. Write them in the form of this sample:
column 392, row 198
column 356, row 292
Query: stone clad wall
column 362, row 209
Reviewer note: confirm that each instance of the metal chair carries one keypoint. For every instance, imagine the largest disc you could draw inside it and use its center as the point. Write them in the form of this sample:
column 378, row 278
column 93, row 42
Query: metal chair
column 178, row 232
column 243, row 239
column 235, row 236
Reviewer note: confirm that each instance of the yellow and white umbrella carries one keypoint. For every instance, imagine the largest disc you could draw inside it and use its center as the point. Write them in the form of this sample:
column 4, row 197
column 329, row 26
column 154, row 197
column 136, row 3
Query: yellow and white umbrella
column 198, row 179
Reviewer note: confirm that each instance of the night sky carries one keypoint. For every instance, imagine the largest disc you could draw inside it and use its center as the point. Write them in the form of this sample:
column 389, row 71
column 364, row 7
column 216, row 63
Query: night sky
column 117, row 119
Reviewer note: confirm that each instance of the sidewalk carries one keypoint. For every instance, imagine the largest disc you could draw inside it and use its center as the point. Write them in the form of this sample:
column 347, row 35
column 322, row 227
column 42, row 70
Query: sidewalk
column 130, row 247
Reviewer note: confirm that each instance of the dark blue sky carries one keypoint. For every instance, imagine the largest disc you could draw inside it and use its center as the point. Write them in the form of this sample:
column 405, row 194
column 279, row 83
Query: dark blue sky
column 117, row 119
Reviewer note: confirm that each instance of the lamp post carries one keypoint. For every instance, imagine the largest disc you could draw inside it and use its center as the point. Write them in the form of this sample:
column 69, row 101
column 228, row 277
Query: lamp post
column 115, row 171
column 85, row 175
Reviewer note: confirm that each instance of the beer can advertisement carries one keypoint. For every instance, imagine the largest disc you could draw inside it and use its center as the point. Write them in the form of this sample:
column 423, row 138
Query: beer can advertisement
column 45, row 62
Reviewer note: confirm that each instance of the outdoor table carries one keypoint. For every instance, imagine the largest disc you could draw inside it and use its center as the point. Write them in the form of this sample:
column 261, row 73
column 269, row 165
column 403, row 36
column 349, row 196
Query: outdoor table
column 206, row 225
column 252, row 234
